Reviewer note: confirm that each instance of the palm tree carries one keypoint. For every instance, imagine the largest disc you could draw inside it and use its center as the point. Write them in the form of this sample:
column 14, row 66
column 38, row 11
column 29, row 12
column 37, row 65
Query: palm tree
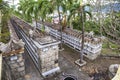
column 79, row 10
column 58, row 4
column 65, row 9
column 62, row 4
column 46, row 9
column 22, row 7
column 33, row 11
column 30, row 9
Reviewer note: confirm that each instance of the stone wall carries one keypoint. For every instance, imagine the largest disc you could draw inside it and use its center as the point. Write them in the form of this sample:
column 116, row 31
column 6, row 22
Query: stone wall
column 49, row 60
column 16, row 64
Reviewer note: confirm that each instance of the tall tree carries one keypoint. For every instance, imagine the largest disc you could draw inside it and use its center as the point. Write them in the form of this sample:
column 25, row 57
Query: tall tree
column 30, row 10
column 57, row 4
column 78, row 9
column 46, row 9
column 33, row 11
column 22, row 7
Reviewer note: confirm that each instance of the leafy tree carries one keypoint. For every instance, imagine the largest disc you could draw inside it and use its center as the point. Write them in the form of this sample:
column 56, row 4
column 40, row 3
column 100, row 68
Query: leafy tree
column 111, row 28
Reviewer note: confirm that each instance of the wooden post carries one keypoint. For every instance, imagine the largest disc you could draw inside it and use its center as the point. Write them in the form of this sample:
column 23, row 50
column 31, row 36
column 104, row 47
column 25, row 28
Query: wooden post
column 0, row 66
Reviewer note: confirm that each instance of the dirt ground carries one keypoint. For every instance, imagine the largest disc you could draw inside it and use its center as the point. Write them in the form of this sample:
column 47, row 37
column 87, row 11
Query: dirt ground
column 67, row 57
column 99, row 65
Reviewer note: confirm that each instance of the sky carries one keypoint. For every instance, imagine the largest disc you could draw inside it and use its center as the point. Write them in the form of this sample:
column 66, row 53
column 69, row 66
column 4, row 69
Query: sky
column 11, row 1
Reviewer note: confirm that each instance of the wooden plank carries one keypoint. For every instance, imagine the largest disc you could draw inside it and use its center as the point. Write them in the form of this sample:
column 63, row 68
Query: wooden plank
column 0, row 65
column 14, row 52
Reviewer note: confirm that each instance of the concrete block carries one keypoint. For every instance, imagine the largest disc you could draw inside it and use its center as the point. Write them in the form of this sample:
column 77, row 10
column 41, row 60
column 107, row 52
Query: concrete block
column 80, row 64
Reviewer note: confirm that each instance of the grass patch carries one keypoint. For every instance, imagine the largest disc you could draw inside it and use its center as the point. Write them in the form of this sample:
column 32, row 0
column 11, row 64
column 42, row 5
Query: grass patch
column 106, row 49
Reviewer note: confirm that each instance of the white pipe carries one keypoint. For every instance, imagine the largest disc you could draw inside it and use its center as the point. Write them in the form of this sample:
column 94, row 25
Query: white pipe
column 51, row 71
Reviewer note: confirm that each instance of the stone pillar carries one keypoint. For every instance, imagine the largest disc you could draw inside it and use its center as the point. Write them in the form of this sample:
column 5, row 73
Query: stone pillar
column 16, row 64
column 49, row 60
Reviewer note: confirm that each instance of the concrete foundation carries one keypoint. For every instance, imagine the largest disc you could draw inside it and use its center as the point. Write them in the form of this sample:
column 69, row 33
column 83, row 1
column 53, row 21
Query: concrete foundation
column 80, row 64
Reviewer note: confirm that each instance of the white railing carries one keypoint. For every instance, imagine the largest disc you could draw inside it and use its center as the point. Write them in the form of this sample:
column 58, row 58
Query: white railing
column 89, row 48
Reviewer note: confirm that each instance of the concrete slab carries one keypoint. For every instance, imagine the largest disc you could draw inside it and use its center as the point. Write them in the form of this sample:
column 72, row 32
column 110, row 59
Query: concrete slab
column 80, row 64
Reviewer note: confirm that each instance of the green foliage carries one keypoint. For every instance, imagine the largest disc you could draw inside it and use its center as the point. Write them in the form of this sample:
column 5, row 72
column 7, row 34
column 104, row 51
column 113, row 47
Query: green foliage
column 5, row 37
column 107, row 50
column 4, row 15
column 0, row 1
column 111, row 27
column 89, row 26
column 75, row 24
column 92, row 26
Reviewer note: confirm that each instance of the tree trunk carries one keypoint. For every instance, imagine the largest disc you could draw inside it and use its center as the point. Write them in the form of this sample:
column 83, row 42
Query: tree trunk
column 35, row 26
column 82, row 44
column 60, row 26
column 43, row 26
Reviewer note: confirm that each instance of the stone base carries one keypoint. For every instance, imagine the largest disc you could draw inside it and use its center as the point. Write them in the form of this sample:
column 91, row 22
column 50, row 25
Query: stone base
column 80, row 64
